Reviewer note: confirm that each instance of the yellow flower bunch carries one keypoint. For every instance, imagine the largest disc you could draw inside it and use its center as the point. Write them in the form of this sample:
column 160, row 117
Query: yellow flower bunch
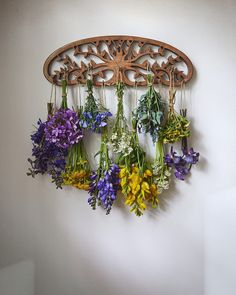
column 77, row 171
column 177, row 125
column 78, row 179
column 138, row 188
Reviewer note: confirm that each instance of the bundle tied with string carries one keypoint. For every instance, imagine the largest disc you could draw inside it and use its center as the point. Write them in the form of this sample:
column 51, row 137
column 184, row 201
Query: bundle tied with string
column 94, row 116
column 120, row 140
column 104, row 181
column 136, row 179
column 62, row 127
column 176, row 126
column 150, row 110
column 48, row 156
column 182, row 164
column 77, row 171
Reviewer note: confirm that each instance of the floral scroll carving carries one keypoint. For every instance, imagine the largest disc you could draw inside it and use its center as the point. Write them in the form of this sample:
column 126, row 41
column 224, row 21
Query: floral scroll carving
column 113, row 58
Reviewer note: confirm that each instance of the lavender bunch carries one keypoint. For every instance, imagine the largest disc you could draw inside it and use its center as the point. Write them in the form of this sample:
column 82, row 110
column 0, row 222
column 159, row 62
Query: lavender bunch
column 94, row 117
column 104, row 181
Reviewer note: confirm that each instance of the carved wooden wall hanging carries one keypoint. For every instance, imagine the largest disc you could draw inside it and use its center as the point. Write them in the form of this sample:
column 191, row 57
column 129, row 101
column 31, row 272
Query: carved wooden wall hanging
column 113, row 58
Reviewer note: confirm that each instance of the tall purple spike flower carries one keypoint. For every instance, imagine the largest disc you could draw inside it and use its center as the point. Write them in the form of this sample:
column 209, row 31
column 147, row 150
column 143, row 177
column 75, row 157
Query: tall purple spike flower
column 104, row 189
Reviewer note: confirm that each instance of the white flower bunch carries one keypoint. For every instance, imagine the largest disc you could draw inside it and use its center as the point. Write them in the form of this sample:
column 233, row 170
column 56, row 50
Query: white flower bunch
column 121, row 143
column 161, row 175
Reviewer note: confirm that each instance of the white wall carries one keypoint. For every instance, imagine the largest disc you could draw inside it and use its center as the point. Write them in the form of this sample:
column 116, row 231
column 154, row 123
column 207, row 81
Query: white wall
column 184, row 248
column 17, row 279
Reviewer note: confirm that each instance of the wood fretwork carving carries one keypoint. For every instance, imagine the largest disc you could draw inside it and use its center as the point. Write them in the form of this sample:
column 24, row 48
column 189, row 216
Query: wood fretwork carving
column 113, row 58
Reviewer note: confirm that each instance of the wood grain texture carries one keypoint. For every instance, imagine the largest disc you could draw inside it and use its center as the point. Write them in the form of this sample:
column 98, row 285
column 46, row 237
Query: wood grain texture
column 118, row 58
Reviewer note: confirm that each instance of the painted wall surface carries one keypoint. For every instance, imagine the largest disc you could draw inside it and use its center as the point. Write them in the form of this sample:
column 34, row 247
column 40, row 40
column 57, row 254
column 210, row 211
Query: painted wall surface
column 17, row 279
column 187, row 247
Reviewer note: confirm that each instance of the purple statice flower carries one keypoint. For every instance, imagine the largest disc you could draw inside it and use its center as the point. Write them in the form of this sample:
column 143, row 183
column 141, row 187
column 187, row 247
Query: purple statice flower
column 182, row 164
column 94, row 121
column 62, row 128
column 47, row 157
column 103, row 190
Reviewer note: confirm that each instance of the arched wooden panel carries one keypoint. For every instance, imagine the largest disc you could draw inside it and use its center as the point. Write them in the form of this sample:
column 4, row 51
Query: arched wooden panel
column 114, row 58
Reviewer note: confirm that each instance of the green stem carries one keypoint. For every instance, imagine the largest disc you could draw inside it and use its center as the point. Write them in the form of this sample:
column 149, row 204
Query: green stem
column 127, row 163
column 76, row 156
column 50, row 108
column 105, row 148
column 160, row 152
column 70, row 155
column 64, row 95
column 120, row 120
column 104, row 155
column 160, row 157
column 139, row 165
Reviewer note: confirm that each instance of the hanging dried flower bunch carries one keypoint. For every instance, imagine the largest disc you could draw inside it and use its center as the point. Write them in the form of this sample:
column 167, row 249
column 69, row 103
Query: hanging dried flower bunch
column 120, row 140
column 59, row 149
column 150, row 111
column 77, row 171
column 182, row 164
column 94, row 116
column 105, row 180
column 177, row 126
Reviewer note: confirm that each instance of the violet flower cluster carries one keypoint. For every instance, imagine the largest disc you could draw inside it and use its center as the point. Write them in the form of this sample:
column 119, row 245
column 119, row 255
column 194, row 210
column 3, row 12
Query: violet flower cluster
column 182, row 164
column 95, row 121
column 95, row 116
column 103, row 189
column 62, row 128
column 48, row 158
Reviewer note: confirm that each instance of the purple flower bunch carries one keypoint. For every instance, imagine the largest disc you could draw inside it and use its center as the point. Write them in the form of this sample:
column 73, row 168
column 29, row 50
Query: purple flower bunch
column 182, row 164
column 103, row 189
column 62, row 128
column 94, row 116
column 94, row 121
column 48, row 158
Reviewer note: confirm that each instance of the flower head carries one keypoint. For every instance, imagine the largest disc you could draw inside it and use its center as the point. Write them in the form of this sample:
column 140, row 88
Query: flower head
column 62, row 128
column 182, row 164
column 95, row 116
column 47, row 157
column 138, row 189
column 103, row 189
column 94, row 121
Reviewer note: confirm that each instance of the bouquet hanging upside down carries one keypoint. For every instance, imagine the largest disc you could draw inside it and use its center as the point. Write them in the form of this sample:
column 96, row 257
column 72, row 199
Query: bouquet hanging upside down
column 59, row 150
column 136, row 179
